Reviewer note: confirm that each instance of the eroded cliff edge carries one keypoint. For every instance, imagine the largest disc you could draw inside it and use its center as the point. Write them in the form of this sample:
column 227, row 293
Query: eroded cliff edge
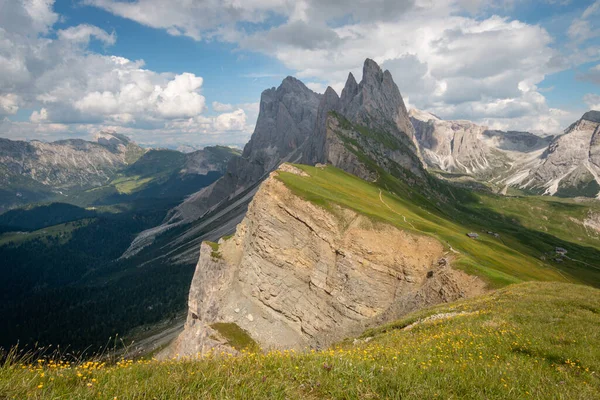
column 299, row 275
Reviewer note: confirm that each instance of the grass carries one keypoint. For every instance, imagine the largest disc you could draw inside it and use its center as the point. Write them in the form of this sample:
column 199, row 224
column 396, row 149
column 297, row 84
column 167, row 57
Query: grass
column 128, row 185
column 236, row 337
column 527, row 341
column 215, row 253
column 511, row 258
column 61, row 231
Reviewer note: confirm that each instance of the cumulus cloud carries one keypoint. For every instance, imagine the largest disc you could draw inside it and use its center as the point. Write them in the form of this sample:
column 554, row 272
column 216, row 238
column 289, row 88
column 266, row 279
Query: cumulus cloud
column 39, row 116
column 455, row 66
column 9, row 104
column 196, row 19
column 73, row 89
column 447, row 56
column 221, row 107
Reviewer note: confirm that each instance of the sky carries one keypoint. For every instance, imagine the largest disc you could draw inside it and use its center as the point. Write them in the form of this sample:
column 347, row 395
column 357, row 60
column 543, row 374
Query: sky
column 191, row 72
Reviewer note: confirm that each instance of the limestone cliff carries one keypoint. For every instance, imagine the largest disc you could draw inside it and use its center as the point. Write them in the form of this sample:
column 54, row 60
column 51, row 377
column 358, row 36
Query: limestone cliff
column 462, row 146
column 571, row 164
column 297, row 275
column 370, row 120
column 285, row 123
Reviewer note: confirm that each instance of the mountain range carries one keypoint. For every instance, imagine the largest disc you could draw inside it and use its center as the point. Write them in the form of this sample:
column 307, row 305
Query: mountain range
column 342, row 212
column 317, row 257
column 565, row 165
column 83, row 172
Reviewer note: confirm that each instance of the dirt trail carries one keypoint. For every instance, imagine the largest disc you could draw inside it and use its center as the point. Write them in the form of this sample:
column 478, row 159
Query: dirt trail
column 394, row 211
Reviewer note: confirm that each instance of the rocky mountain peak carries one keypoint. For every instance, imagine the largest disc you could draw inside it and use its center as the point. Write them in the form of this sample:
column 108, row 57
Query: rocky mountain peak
column 350, row 89
column 372, row 72
column 592, row 116
column 286, row 118
column 376, row 102
column 111, row 139
column 421, row 115
column 292, row 85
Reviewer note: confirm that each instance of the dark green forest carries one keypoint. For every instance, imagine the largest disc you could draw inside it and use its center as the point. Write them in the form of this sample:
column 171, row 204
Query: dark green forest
column 72, row 278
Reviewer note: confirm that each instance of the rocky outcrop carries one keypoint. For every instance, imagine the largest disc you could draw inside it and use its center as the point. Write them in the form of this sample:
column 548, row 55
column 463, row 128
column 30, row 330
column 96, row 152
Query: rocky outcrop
column 285, row 123
column 369, row 120
column 464, row 147
column 376, row 103
column 570, row 166
column 297, row 275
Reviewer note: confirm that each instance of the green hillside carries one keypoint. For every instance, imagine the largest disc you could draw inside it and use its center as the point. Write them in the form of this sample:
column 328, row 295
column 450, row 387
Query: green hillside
column 523, row 250
column 532, row 340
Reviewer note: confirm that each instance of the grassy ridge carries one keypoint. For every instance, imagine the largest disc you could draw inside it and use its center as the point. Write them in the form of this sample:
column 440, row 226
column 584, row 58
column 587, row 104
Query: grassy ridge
column 513, row 257
column 532, row 340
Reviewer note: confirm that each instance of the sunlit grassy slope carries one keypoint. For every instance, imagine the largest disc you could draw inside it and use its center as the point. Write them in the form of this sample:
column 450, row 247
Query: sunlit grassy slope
column 529, row 228
column 533, row 340
column 61, row 233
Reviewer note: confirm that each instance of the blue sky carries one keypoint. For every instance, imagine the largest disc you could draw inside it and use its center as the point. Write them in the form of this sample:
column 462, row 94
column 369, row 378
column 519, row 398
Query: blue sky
column 180, row 72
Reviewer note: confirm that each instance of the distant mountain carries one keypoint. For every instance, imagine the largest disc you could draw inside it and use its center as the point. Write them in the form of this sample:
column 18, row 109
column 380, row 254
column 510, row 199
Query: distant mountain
column 36, row 171
column 467, row 148
column 570, row 165
column 99, row 172
column 567, row 165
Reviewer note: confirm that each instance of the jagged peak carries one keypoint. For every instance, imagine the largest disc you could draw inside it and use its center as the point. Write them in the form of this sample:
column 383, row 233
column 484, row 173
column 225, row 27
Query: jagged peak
column 330, row 93
column 371, row 70
column 110, row 137
column 592, row 116
column 350, row 89
column 422, row 115
column 291, row 84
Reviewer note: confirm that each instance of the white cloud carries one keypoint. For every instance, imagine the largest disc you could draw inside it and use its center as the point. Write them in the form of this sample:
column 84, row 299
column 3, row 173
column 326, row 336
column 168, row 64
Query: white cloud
column 455, row 66
column 444, row 59
column 196, row 19
column 39, row 116
column 586, row 27
column 9, row 104
column 316, row 87
column 592, row 100
column 66, row 84
column 83, row 33
column 221, row 107
column 233, row 121
column 593, row 9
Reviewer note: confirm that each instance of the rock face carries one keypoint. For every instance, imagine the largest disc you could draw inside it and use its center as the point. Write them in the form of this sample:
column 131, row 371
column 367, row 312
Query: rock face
column 376, row 103
column 465, row 147
column 567, row 165
column 296, row 275
column 297, row 125
column 368, row 119
column 571, row 164
column 285, row 123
